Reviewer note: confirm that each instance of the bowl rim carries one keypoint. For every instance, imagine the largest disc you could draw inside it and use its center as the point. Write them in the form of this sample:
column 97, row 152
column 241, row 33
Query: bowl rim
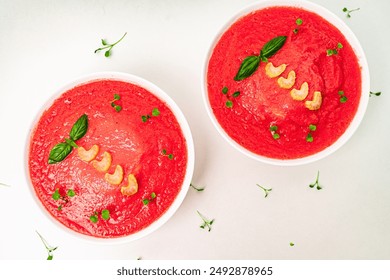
column 163, row 96
column 350, row 37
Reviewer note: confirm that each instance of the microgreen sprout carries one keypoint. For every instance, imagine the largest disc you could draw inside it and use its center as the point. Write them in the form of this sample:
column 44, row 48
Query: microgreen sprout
column 94, row 218
column 198, row 189
column 266, row 191
column 62, row 198
column 152, row 196
column 164, row 153
column 117, row 107
column 108, row 47
column 335, row 51
column 375, row 93
column 49, row 248
column 343, row 98
column 206, row 222
column 316, row 183
column 105, row 214
column 309, row 137
column 292, row 244
column 155, row 113
column 298, row 22
column 348, row 12
column 273, row 129
column 229, row 102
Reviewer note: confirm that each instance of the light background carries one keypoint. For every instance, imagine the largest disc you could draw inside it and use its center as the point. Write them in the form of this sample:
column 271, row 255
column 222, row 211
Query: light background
column 45, row 44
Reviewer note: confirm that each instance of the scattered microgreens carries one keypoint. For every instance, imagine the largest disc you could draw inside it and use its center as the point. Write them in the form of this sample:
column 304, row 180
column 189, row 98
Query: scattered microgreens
column 375, row 93
column 266, row 191
column 309, row 137
column 49, row 248
column 343, row 98
column 108, row 46
column 348, row 12
column 198, row 189
column 155, row 113
column 298, row 22
column 206, row 222
column 250, row 64
column 273, row 129
column 60, row 151
column 316, row 183
column 146, row 201
column 164, row 153
column 292, row 244
column 63, row 198
column 117, row 107
column 335, row 51
column 105, row 214
column 229, row 102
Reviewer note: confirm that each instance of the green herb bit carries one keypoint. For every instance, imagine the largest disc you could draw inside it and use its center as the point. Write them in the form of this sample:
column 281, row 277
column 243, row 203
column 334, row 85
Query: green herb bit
column 108, row 47
column 225, row 90
column 295, row 30
column 94, row 218
column 164, row 153
column 145, row 118
column 118, row 108
column 316, row 183
column 330, row 52
column 206, row 222
column 341, row 92
column 198, row 189
column 266, row 191
column 276, row 136
column 250, row 64
column 375, row 93
column 49, row 249
column 155, row 112
column 56, row 195
column 348, row 12
column 117, row 97
column 339, row 45
column 299, row 21
column 152, row 196
column 343, row 99
column 236, row 94
column 292, row 244
column 273, row 128
column 229, row 104
column 312, row 127
column 71, row 193
column 309, row 138
column 105, row 214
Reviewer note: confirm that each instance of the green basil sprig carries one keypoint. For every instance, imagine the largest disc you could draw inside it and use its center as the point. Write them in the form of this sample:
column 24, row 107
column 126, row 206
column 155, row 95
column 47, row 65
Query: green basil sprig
column 60, row 151
column 250, row 64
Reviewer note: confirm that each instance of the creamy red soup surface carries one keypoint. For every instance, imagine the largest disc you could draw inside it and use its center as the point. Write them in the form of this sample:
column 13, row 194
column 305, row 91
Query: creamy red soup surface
column 133, row 127
column 269, row 113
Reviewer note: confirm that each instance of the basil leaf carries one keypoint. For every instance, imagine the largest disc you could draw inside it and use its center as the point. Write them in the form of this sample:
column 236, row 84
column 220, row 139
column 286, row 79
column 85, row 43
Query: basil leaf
column 271, row 47
column 59, row 152
column 79, row 128
column 248, row 67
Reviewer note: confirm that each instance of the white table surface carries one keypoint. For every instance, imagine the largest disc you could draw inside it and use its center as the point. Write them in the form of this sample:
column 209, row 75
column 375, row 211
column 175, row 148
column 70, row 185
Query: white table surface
column 45, row 44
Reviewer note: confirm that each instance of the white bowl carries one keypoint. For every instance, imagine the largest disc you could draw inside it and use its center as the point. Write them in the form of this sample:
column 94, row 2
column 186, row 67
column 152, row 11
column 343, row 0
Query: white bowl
column 184, row 127
column 353, row 41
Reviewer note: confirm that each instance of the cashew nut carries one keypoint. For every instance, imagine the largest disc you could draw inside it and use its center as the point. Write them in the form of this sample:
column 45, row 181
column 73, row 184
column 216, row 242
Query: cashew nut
column 104, row 164
column 273, row 71
column 314, row 104
column 132, row 186
column 116, row 177
column 301, row 93
column 88, row 155
column 287, row 82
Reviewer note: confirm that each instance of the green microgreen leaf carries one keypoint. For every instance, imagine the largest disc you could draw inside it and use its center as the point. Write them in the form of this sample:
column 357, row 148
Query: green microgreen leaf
column 229, row 104
column 145, row 118
column 295, row 30
column 273, row 128
column 198, row 189
column 266, row 191
column 276, row 136
column 145, row 201
column 236, row 94
column 155, row 112
column 71, row 193
column 118, row 108
column 49, row 249
column 107, row 46
column 225, row 90
column 94, row 218
column 312, row 127
column 153, row 195
column 341, row 92
column 292, row 244
column 299, row 21
column 309, row 137
column 56, row 195
column 149, row 199
column 206, row 222
column 164, row 153
column 375, row 93
column 117, row 96
column 105, row 214
column 339, row 45
column 343, row 99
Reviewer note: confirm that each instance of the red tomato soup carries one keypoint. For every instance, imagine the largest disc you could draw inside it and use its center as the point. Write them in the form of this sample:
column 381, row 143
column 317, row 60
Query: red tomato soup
column 138, row 131
column 271, row 115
